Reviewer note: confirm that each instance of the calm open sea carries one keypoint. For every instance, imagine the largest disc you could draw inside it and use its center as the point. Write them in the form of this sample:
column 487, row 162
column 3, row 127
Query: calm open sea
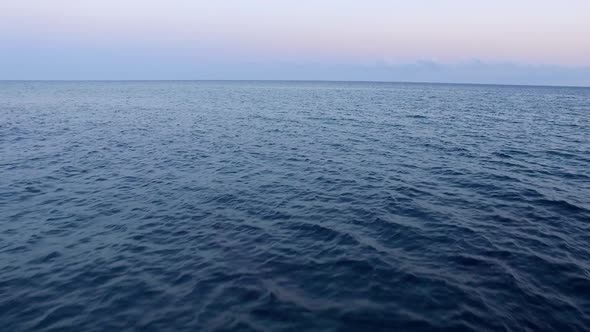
column 293, row 206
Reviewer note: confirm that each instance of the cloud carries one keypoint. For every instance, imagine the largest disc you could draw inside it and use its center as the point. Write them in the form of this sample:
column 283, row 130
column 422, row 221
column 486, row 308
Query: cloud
column 63, row 62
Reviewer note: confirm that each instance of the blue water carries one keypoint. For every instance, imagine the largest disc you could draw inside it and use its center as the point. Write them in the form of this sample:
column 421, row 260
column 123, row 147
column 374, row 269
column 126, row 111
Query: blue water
column 277, row 206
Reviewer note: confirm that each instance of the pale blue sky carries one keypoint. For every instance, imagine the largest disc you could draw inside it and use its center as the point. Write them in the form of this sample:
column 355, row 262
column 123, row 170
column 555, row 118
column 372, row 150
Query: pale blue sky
column 501, row 41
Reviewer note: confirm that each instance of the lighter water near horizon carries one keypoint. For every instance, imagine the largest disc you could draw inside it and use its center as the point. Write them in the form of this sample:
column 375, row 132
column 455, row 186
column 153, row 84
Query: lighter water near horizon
column 292, row 206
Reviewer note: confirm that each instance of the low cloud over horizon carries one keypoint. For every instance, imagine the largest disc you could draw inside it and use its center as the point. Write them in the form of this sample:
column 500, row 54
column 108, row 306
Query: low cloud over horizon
column 474, row 72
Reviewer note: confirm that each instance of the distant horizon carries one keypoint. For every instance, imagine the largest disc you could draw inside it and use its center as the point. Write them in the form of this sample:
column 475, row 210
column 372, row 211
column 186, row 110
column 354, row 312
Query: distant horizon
column 295, row 81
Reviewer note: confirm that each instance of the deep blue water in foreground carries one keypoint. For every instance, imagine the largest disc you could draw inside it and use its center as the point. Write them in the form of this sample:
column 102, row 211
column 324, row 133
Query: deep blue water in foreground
column 252, row 206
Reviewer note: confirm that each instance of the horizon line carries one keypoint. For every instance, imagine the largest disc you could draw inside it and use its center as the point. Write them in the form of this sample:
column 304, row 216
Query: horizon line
column 295, row 81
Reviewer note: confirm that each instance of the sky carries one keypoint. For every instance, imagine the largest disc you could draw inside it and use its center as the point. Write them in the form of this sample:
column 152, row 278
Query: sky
column 543, row 42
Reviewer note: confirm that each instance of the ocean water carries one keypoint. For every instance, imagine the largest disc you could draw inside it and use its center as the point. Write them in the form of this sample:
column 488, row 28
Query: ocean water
column 293, row 206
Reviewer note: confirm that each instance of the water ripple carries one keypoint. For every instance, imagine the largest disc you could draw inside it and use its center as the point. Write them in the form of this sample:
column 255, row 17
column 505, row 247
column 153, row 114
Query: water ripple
column 268, row 206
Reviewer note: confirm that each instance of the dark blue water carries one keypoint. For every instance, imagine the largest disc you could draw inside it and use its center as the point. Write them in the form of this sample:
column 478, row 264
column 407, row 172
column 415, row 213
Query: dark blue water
column 244, row 206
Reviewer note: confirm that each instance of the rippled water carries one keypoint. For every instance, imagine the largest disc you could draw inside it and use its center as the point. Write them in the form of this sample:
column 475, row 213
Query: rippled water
column 171, row 206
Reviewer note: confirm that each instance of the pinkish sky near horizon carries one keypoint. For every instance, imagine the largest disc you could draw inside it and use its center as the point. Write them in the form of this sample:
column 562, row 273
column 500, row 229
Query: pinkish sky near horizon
column 264, row 39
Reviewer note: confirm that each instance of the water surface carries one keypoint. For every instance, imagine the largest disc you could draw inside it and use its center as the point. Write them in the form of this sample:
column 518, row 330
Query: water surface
column 277, row 206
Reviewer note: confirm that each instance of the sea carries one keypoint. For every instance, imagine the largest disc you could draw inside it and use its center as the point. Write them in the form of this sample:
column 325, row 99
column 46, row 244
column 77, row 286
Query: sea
column 293, row 206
